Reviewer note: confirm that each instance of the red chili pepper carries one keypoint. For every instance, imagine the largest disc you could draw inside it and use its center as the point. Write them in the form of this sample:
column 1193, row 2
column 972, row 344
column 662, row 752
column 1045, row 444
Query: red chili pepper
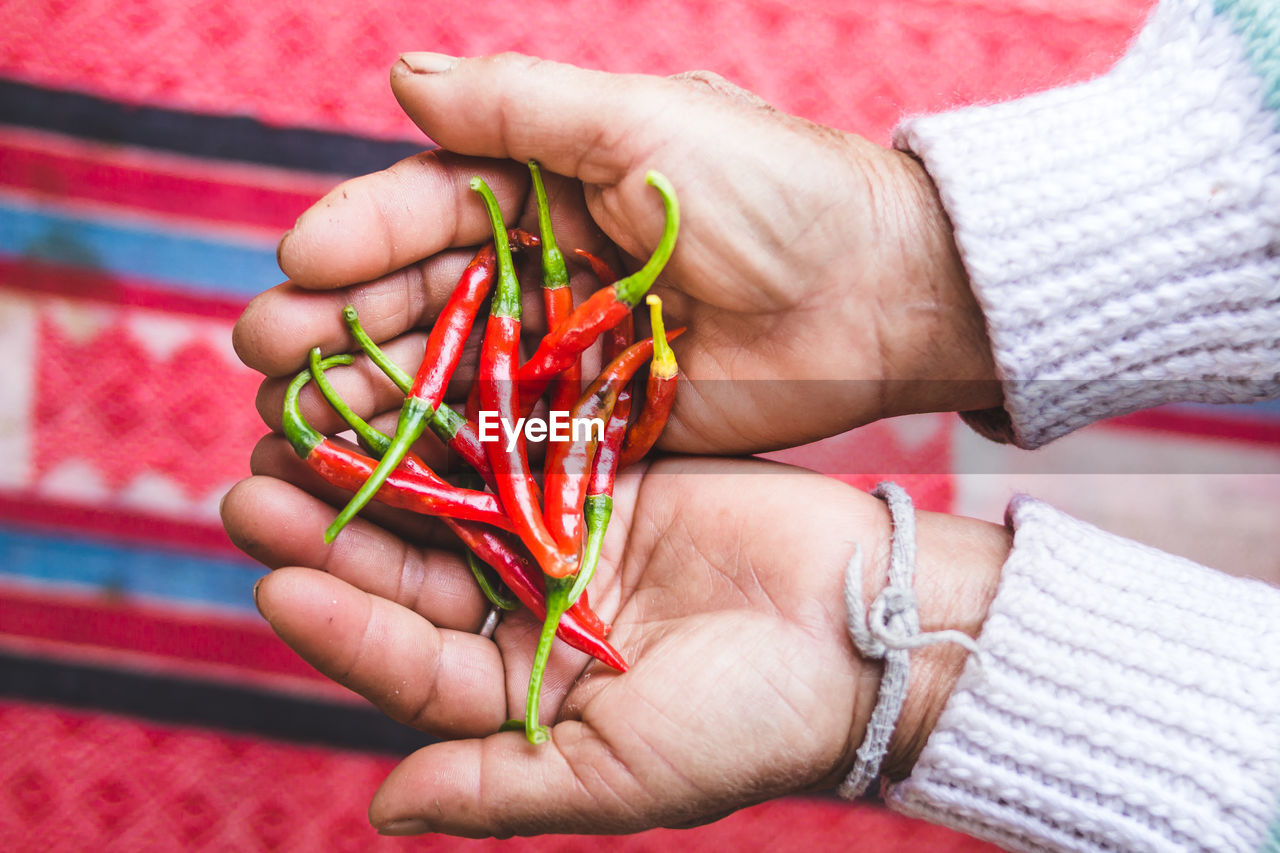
column 557, row 298
column 569, row 463
column 580, row 626
column 660, row 393
column 458, row 433
column 597, row 508
column 406, row 488
column 599, row 266
column 444, row 347
column 414, row 487
column 617, row 339
column 603, row 310
column 449, row 334
column 500, row 396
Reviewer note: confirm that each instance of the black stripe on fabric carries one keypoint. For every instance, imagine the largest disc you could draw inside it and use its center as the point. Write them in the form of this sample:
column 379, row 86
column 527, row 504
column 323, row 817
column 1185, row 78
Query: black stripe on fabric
column 237, row 138
column 190, row 702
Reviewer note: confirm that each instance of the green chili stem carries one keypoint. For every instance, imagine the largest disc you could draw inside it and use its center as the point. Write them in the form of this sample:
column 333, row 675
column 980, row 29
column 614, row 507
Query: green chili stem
column 554, row 272
column 597, row 509
column 631, row 289
column 557, row 604
column 300, row 433
column 490, row 590
column 445, row 422
column 506, row 295
column 412, row 423
column 393, row 371
column 374, row 439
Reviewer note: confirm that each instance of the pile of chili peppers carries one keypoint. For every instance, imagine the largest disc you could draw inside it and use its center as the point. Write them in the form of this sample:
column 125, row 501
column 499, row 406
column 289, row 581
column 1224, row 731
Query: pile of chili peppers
column 543, row 543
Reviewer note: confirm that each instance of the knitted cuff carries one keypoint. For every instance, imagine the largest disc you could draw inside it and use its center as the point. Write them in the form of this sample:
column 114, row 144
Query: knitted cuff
column 1123, row 235
column 1125, row 699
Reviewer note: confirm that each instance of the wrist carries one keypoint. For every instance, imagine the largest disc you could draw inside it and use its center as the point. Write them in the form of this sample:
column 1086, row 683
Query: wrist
column 958, row 565
column 937, row 353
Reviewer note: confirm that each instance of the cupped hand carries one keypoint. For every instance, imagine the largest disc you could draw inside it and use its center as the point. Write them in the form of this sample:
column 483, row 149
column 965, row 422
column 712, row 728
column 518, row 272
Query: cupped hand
column 815, row 271
column 726, row 601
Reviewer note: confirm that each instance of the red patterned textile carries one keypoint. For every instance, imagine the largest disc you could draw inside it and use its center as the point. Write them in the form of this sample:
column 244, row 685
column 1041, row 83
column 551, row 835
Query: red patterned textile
column 131, row 233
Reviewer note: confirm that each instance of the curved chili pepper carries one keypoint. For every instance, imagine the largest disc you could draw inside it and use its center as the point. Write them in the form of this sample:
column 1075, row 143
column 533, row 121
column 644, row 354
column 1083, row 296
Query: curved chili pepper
column 458, row 433
column 500, row 395
column 617, row 339
column 603, row 310
column 660, row 393
column 419, row 490
column 580, row 627
column 453, row 325
column 569, row 463
column 557, row 298
column 445, row 343
column 597, row 509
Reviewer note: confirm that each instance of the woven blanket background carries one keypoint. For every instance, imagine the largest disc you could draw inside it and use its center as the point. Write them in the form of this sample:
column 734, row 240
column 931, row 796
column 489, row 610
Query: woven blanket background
column 150, row 154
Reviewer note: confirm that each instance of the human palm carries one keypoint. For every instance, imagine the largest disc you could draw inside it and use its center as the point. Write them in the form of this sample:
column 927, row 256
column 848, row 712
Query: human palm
column 742, row 682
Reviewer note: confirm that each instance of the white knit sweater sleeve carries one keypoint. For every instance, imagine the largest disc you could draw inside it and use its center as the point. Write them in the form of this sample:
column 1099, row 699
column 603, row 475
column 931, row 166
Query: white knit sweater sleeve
column 1123, row 699
column 1123, row 235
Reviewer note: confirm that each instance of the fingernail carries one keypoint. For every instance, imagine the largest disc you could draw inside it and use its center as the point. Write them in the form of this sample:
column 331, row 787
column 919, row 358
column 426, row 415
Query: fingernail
column 256, row 584
column 404, row 827
column 280, row 249
column 422, row 62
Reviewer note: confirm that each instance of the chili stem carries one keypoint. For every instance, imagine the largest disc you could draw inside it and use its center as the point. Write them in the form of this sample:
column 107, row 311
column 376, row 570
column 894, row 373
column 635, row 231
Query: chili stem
column 301, row 435
column 490, row 590
column 557, row 603
column 554, row 272
column 412, row 423
column 375, row 440
column 394, row 372
column 597, row 510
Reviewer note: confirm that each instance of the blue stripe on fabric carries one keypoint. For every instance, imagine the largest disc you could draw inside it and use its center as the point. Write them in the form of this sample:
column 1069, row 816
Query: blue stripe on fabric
column 1258, row 23
column 183, row 261
column 217, row 137
column 127, row 571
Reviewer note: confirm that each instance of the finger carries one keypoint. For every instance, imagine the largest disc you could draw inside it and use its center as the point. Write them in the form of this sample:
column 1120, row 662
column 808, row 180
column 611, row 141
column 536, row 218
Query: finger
column 713, row 82
column 588, row 125
column 605, row 130
column 280, row 325
column 444, row 682
column 371, row 225
column 278, row 525
column 503, row 786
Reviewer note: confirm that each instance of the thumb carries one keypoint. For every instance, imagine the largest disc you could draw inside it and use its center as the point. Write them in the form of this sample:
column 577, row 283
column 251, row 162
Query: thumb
column 589, row 125
column 501, row 786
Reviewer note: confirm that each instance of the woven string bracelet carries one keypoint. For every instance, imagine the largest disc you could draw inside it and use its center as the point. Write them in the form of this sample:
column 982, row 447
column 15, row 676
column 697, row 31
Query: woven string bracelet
column 889, row 629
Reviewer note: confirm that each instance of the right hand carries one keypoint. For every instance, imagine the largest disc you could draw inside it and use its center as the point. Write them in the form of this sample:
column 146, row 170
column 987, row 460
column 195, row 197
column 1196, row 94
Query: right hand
column 726, row 598
column 805, row 253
